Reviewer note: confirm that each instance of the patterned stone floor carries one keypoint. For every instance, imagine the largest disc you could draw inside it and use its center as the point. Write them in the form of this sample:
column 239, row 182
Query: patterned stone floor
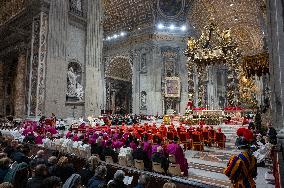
column 208, row 166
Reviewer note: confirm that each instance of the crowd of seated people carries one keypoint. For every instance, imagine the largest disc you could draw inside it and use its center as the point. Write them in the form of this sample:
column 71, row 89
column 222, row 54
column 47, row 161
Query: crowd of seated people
column 140, row 142
column 20, row 169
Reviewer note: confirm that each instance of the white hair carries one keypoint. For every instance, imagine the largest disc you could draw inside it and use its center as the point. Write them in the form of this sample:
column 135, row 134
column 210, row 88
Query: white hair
column 119, row 175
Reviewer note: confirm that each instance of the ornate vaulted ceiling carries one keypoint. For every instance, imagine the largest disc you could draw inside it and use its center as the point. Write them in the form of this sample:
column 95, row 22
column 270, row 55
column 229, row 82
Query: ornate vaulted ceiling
column 246, row 18
column 121, row 15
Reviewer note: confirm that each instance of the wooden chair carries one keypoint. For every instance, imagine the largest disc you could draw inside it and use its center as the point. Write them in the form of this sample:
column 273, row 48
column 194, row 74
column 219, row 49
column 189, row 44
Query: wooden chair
column 172, row 159
column 206, row 138
column 108, row 159
column 122, row 160
column 174, row 169
column 57, row 146
column 220, row 140
column 157, row 167
column 76, row 151
column 139, row 164
column 184, row 140
column 212, row 136
column 64, row 149
column 170, row 135
column 197, row 143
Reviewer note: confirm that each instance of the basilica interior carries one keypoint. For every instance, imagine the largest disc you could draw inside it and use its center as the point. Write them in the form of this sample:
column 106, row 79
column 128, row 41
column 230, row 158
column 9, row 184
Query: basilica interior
column 206, row 64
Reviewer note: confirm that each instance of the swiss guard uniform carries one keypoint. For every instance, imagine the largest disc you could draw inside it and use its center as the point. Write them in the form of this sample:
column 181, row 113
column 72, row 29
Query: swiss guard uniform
column 242, row 168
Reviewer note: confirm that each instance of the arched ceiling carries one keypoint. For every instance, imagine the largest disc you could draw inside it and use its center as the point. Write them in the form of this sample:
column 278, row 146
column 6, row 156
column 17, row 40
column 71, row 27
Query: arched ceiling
column 121, row 15
column 246, row 18
column 119, row 68
column 128, row 15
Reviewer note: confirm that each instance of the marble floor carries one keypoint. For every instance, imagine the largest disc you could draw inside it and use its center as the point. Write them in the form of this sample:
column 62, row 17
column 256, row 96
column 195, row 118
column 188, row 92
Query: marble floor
column 208, row 166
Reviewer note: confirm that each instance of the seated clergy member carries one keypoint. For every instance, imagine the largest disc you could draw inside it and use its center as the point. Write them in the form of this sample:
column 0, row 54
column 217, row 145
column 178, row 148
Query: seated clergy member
column 147, row 146
column 176, row 150
column 160, row 157
column 108, row 151
column 140, row 154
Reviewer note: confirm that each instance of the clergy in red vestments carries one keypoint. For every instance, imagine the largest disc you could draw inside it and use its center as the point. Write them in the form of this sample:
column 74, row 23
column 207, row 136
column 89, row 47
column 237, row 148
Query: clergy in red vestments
column 176, row 150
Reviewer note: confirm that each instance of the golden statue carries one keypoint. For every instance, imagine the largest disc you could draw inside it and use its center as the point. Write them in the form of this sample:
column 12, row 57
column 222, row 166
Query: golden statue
column 226, row 35
column 191, row 43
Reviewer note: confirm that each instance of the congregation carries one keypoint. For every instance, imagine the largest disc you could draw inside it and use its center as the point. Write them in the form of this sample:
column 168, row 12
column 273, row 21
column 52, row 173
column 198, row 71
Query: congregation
column 143, row 146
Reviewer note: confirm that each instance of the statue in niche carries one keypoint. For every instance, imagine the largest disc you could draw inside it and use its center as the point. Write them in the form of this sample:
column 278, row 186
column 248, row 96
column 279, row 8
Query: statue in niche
column 143, row 100
column 143, row 67
column 74, row 88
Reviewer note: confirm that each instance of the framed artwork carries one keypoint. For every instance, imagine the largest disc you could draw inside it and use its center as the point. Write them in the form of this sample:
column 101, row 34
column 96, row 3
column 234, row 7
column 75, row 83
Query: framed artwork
column 172, row 88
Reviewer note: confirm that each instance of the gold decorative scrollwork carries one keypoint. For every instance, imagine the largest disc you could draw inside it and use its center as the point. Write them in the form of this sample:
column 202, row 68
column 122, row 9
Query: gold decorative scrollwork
column 214, row 47
column 11, row 8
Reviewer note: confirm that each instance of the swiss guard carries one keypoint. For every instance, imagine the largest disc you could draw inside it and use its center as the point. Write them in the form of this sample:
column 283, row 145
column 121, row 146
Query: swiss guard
column 242, row 168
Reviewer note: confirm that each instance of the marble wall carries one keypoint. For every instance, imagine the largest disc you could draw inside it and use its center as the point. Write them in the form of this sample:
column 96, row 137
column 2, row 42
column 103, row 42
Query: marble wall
column 20, row 85
column 149, row 72
column 73, row 39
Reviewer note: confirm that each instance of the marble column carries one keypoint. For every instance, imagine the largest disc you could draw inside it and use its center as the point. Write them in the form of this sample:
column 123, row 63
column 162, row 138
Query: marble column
column 19, row 91
column 94, row 83
column 57, row 65
column 184, row 82
column 37, row 67
column 276, row 53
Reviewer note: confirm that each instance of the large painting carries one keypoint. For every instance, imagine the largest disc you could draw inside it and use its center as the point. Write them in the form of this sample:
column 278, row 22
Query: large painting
column 172, row 88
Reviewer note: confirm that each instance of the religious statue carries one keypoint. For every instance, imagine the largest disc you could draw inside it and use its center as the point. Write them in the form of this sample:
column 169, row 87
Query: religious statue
column 191, row 44
column 74, row 88
column 143, row 99
column 226, row 36
column 143, row 66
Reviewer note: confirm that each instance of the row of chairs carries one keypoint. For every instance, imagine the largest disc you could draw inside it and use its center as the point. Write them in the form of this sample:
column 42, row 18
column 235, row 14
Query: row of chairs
column 197, row 141
column 174, row 169
column 64, row 149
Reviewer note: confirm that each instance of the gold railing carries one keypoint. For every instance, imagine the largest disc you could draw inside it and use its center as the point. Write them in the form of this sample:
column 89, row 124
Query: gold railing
column 10, row 8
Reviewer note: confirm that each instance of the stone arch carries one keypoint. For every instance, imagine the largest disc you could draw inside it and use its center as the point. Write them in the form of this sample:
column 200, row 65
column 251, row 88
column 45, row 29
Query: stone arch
column 119, row 68
column 118, row 76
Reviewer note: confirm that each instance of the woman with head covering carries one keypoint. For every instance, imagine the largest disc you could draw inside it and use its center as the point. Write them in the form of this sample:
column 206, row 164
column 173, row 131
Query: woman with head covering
column 74, row 181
